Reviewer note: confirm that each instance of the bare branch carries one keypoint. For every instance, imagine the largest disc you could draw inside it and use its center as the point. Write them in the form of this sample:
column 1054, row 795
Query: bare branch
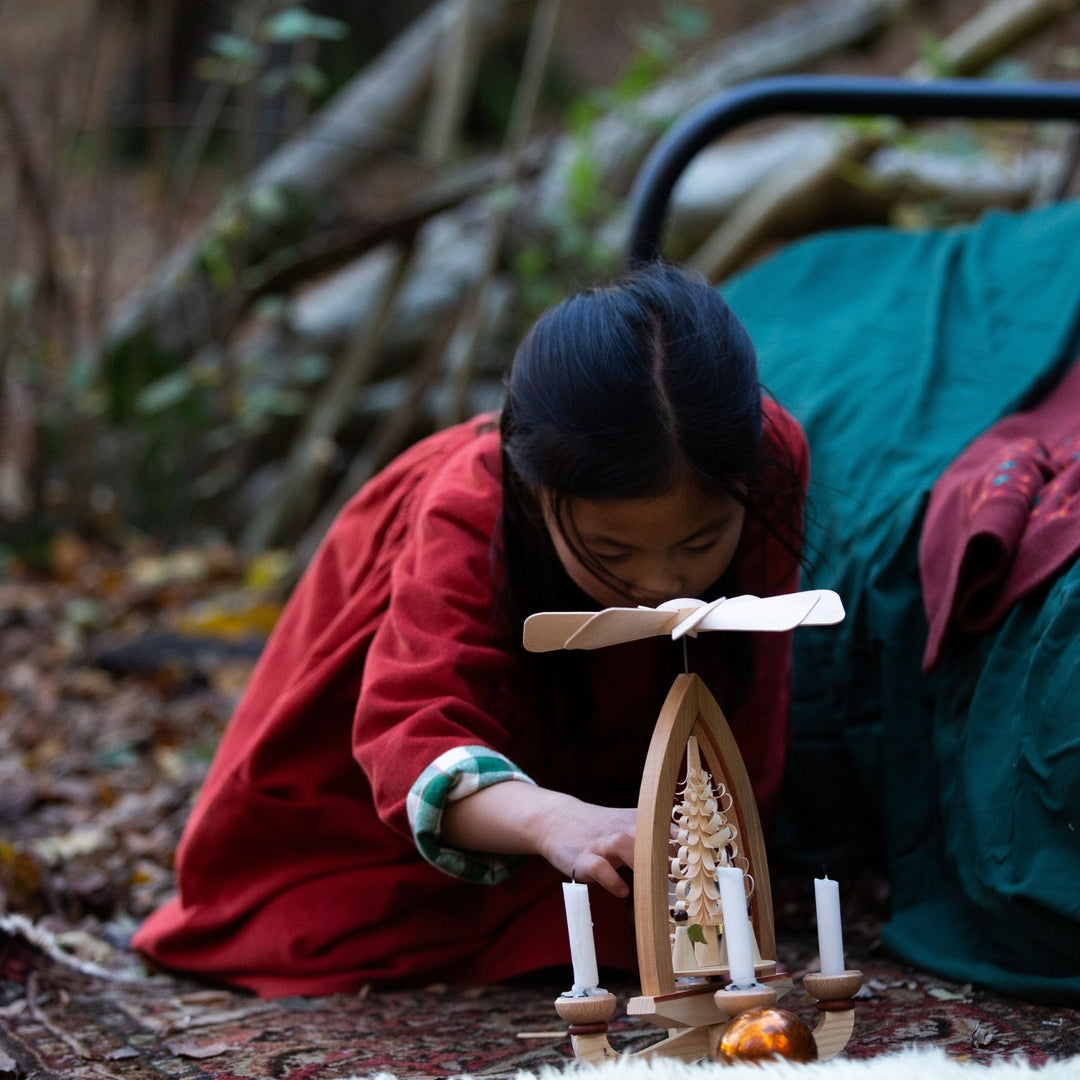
column 35, row 192
column 453, row 82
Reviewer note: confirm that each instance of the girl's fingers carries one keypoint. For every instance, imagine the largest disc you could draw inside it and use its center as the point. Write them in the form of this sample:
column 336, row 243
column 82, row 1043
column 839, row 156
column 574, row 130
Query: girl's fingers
column 601, row 862
column 600, row 871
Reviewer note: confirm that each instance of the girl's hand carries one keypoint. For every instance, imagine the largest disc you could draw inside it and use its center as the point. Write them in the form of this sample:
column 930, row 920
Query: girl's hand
column 591, row 843
column 587, row 842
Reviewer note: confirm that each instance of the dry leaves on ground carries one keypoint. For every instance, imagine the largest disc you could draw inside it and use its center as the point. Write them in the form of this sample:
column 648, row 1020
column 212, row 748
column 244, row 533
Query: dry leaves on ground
column 117, row 676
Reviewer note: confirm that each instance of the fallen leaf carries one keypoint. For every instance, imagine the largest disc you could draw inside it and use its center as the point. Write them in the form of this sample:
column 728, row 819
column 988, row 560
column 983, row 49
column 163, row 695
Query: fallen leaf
column 230, row 618
column 268, row 570
column 68, row 555
column 207, row 997
column 20, row 875
column 192, row 1049
column 84, row 840
column 9, row 1067
column 122, row 1054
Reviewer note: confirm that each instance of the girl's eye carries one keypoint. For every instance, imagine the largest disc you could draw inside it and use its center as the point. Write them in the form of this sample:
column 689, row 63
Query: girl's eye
column 700, row 549
column 610, row 558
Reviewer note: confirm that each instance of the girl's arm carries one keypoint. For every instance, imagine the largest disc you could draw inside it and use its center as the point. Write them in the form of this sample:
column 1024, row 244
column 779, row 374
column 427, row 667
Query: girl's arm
column 517, row 818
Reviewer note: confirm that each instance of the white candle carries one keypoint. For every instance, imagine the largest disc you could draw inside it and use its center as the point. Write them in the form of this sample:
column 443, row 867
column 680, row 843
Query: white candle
column 582, row 947
column 830, row 932
column 737, row 934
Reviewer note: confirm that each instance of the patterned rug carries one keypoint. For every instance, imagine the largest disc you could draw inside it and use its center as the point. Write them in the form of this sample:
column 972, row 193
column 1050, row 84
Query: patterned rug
column 75, row 1020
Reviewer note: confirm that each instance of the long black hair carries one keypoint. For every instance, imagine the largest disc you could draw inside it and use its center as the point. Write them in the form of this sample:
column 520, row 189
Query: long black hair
column 621, row 392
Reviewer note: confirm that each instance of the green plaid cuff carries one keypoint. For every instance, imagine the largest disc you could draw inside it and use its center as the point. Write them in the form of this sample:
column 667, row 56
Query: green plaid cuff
column 452, row 776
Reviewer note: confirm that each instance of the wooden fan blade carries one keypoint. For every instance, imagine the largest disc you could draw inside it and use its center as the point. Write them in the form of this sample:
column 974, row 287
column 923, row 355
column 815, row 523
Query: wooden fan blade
column 612, row 626
column 828, row 610
column 548, row 630
column 816, row 607
column 692, row 621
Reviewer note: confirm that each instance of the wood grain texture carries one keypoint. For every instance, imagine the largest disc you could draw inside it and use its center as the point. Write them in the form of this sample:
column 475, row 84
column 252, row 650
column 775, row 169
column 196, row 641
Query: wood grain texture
column 690, row 709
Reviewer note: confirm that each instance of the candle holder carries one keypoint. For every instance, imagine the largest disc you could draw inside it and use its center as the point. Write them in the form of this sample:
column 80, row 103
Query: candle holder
column 695, row 774
column 587, row 1016
column 835, row 997
column 698, row 1006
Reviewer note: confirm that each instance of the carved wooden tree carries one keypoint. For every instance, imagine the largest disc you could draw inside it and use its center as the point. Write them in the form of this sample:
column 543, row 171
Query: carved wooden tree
column 705, row 841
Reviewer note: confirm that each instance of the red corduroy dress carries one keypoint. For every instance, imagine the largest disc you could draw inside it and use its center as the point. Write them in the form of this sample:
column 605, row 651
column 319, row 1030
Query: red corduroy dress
column 298, row 872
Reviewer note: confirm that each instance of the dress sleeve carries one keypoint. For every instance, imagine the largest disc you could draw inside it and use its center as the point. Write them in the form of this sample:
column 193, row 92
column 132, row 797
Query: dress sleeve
column 436, row 716
column 453, row 775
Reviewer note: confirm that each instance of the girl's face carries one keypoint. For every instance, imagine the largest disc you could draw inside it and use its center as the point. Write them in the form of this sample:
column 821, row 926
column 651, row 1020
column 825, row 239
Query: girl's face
column 661, row 548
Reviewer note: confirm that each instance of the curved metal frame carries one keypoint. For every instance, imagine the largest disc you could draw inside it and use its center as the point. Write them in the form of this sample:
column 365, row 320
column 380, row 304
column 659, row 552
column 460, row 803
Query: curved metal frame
column 823, row 95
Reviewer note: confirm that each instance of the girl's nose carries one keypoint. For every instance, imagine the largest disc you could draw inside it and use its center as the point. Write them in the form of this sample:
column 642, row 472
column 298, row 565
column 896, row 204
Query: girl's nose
column 658, row 584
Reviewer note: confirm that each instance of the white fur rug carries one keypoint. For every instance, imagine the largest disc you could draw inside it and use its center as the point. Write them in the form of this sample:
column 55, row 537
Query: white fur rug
column 915, row 1064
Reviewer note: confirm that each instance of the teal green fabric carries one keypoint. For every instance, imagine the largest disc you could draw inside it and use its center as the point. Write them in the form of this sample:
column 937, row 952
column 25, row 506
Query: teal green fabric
column 895, row 350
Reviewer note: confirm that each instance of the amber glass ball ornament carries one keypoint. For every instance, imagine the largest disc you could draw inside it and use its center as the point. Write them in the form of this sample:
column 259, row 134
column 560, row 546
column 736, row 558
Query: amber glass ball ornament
column 759, row 1034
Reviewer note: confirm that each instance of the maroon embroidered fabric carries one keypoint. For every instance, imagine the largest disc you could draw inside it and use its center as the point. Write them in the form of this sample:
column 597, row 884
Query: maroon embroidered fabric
column 1003, row 518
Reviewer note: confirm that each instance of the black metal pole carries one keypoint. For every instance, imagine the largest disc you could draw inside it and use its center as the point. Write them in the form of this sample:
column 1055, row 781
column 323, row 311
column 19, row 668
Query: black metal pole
column 825, row 95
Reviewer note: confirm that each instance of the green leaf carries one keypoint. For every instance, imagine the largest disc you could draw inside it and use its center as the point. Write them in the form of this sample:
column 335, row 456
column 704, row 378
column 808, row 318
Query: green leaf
column 582, row 114
column 310, row 79
column 656, row 45
column 643, row 73
column 532, row 262
column 116, row 757
column 164, row 393
column 271, row 306
column 214, row 258
column 274, row 81
column 688, row 22
column 933, row 55
column 584, row 185
column 876, row 128
column 268, row 204
column 311, row 367
column 294, row 24
column 236, row 49
column 214, row 69
column 695, row 933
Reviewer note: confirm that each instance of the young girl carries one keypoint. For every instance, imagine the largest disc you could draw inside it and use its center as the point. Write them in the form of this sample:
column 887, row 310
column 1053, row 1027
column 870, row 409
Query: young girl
column 398, row 762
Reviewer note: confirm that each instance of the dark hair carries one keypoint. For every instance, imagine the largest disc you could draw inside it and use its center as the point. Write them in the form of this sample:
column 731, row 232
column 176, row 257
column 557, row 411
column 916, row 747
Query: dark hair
column 617, row 390
column 620, row 392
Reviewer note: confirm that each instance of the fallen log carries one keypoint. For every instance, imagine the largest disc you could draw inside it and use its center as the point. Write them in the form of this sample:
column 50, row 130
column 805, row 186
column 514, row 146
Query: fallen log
column 449, row 257
column 795, row 195
column 194, row 294
column 792, row 41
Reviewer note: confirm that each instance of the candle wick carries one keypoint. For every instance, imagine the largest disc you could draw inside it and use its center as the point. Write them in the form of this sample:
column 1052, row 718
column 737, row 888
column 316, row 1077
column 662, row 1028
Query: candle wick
column 573, row 875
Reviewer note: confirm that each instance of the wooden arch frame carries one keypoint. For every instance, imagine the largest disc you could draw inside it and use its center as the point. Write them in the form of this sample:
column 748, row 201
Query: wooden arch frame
column 691, row 710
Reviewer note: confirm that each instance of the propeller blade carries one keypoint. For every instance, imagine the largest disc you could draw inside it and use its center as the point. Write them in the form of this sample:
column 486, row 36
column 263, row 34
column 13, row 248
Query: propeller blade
column 548, row 630
column 612, row 626
column 817, row 607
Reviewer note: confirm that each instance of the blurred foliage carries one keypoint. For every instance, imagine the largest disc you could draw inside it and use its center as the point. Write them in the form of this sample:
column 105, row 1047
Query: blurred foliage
column 577, row 250
column 239, row 59
column 182, row 447
column 152, row 443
